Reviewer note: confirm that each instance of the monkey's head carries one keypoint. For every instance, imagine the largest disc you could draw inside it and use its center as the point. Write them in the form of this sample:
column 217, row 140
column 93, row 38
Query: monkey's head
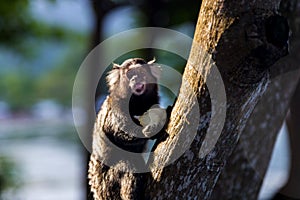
column 133, row 77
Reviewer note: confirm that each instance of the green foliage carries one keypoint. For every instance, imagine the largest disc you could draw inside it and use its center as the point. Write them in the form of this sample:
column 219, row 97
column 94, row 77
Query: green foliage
column 9, row 177
column 18, row 28
column 58, row 83
column 21, row 89
column 17, row 89
column 30, row 41
column 15, row 23
column 14, row 20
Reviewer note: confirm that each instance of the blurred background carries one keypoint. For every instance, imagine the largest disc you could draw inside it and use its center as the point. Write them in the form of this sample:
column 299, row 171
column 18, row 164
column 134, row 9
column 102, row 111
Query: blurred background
column 42, row 44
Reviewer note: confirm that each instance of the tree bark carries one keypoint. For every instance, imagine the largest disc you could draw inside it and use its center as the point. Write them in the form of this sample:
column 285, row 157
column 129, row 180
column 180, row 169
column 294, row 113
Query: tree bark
column 237, row 36
column 246, row 168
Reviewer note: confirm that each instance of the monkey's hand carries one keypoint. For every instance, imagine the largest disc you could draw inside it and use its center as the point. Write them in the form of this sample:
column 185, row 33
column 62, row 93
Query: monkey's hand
column 151, row 129
column 153, row 121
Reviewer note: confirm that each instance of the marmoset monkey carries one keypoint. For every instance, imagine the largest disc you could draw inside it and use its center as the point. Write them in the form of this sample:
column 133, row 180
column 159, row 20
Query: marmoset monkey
column 129, row 117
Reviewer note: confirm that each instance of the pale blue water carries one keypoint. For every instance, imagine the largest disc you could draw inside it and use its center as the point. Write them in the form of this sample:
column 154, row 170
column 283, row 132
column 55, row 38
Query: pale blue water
column 50, row 161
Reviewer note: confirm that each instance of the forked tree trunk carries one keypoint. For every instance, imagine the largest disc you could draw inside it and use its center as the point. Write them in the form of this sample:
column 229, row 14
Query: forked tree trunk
column 240, row 37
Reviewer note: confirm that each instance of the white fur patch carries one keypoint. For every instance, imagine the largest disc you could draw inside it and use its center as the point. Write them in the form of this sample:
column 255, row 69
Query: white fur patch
column 112, row 78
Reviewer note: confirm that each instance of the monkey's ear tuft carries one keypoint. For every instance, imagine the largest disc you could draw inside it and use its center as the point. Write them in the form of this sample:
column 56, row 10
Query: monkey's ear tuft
column 156, row 71
column 113, row 77
column 116, row 66
column 151, row 61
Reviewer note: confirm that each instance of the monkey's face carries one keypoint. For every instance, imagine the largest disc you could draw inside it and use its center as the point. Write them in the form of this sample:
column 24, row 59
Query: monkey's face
column 138, row 78
column 133, row 77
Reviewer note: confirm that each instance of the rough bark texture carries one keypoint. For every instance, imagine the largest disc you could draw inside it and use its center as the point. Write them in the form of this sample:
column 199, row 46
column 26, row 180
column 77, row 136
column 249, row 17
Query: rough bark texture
column 246, row 168
column 236, row 36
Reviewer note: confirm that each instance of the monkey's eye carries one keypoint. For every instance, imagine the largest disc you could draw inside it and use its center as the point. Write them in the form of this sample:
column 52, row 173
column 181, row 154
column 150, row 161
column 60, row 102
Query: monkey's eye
column 130, row 74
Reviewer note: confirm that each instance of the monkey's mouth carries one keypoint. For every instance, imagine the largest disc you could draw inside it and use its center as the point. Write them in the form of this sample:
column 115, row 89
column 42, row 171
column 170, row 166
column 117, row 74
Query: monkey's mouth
column 139, row 88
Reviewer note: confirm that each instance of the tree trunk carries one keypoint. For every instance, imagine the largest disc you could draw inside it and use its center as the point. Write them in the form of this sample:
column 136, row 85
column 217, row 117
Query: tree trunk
column 239, row 37
column 246, row 168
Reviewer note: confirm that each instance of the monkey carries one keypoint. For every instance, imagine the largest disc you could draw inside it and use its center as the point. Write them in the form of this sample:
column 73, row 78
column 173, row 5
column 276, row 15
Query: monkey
column 120, row 125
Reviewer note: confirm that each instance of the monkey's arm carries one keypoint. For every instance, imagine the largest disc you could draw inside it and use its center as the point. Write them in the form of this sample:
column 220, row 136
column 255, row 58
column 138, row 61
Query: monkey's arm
column 154, row 121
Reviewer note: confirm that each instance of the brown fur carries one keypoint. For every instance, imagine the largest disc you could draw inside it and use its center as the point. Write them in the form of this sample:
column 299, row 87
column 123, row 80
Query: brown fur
column 127, row 88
